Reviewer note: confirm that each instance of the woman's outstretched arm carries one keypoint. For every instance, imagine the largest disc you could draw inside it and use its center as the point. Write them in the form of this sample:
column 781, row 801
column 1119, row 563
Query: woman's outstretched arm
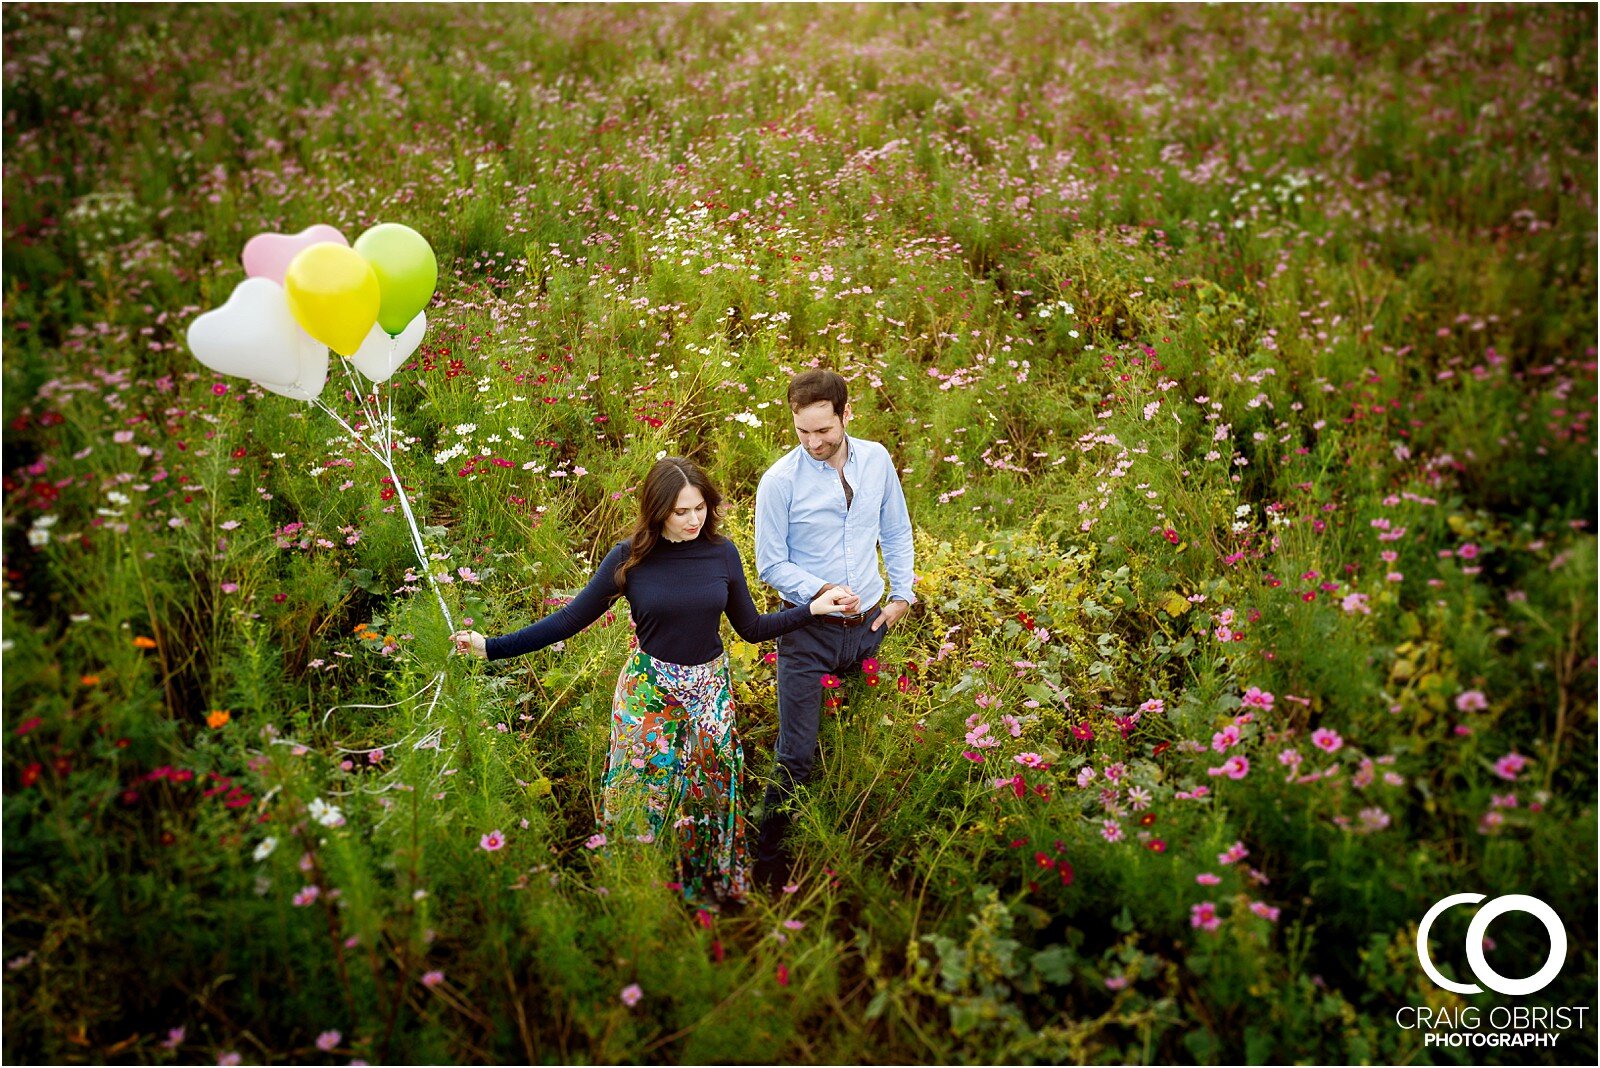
column 582, row 610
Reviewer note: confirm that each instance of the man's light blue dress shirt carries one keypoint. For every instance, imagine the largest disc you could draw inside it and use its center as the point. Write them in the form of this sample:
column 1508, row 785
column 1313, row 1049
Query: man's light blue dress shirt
column 806, row 537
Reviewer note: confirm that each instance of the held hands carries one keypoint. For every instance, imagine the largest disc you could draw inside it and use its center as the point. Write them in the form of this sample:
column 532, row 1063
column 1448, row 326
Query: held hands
column 469, row 641
column 835, row 600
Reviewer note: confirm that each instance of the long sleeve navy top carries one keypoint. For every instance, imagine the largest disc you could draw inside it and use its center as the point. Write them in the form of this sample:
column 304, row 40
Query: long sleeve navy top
column 678, row 594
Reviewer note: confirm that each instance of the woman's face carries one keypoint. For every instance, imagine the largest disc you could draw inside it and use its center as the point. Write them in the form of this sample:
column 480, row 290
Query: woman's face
column 688, row 515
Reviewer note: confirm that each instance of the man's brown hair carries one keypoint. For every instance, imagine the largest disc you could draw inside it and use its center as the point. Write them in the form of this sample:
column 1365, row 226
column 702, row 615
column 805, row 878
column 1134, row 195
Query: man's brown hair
column 812, row 386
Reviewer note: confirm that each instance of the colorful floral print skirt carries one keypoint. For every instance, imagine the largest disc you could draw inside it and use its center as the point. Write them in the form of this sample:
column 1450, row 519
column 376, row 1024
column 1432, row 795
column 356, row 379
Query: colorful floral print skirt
column 674, row 771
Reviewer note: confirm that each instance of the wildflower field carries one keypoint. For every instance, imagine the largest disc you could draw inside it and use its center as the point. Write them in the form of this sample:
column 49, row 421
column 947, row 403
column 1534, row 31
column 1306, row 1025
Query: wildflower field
column 1239, row 363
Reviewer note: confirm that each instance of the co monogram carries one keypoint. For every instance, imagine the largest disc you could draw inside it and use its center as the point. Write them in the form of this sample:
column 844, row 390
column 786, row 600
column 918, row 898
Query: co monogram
column 1475, row 932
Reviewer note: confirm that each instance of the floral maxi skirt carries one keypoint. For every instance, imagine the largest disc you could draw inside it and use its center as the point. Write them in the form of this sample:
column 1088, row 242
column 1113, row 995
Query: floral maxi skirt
column 674, row 770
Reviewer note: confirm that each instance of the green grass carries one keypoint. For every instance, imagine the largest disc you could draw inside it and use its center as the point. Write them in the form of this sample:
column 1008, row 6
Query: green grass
column 1330, row 275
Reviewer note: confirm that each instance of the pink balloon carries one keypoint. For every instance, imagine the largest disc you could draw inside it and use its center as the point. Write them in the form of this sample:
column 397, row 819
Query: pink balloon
column 268, row 255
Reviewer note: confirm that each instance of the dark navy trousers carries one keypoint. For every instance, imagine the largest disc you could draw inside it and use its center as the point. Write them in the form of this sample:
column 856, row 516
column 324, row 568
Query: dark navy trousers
column 819, row 648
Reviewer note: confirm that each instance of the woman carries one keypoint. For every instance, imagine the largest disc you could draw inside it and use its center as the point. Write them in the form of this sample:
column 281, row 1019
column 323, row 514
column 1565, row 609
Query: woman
column 675, row 751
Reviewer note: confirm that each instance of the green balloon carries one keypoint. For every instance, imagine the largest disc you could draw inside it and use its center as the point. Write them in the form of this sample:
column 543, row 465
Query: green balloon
column 406, row 269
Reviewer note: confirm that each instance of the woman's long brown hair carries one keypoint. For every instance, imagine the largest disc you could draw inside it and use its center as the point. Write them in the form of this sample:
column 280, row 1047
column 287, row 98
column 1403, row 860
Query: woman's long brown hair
column 657, row 499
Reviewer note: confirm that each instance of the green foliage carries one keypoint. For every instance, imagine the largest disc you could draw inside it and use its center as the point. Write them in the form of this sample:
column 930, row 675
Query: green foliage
column 1238, row 365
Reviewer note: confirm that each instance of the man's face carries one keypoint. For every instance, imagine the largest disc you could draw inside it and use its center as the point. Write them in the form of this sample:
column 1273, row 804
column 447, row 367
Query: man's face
column 820, row 429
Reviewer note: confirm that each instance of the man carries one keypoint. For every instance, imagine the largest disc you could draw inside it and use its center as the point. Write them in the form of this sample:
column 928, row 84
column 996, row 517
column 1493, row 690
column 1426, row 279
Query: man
column 822, row 513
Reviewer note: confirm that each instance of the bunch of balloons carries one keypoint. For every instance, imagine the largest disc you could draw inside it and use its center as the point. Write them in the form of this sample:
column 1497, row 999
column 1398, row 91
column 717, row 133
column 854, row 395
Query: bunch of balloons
column 313, row 291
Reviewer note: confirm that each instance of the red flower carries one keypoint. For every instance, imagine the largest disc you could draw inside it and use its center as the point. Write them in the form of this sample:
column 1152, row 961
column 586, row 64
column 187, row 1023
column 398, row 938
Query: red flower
column 902, row 684
column 1161, row 747
column 783, row 975
column 872, row 680
column 1171, row 535
column 870, row 665
column 1147, row 819
column 703, row 918
column 1309, row 596
column 1156, row 845
column 28, row 725
column 769, row 658
column 716, row 950
column 1026, row 620
column 1018, row 843
column 1064, row 869
column 1043, row 860
column 62, row 766
column 31, row 773
column 1083, row 732
column 830, row 682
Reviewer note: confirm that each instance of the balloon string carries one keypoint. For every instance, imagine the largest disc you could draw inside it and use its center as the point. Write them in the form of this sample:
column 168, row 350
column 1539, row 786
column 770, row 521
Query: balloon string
column 382, row 427
column 436, row 684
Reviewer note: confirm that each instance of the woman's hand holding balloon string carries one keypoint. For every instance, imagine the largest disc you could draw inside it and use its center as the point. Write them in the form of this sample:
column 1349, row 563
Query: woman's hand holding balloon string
column 469, row 641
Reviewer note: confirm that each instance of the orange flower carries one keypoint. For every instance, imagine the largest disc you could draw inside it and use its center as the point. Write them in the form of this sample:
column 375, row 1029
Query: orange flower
column 141, row 642
column 359, row 628
column 218, row 717
column 89, row 680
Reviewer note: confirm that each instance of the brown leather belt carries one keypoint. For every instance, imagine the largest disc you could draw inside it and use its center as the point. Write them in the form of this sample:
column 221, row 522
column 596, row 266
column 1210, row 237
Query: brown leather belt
column 838, row 621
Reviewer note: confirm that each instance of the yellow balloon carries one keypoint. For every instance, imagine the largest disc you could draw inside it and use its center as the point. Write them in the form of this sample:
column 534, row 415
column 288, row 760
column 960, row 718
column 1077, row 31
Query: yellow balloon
column 333, row 295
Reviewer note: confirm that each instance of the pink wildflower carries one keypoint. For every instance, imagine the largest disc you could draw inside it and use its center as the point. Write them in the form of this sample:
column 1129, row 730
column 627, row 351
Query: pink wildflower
column 1510, row 766
column 1233, row 854
column 1255, row 697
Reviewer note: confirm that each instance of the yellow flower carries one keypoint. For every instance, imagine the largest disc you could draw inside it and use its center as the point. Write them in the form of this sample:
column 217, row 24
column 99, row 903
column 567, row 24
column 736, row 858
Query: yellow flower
column 218, row 717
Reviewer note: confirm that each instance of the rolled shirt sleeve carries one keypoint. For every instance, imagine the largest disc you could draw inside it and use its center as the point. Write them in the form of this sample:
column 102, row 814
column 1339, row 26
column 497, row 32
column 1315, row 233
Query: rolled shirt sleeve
column 894, row 536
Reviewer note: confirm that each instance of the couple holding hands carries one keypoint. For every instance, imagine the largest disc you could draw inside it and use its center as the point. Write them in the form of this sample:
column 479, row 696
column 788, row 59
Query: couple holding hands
column 822, row 513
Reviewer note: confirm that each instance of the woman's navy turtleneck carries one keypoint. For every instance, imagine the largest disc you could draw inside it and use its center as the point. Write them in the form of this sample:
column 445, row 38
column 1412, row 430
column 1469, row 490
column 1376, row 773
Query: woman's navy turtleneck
column 678, row 593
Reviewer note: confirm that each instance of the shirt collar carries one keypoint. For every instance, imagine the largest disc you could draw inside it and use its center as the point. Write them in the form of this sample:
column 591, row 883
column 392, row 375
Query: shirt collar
column 823, row 465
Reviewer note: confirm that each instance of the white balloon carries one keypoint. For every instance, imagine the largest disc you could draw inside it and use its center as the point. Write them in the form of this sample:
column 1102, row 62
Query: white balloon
column 312, row 374
column 381, row 356
column 252, row 336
